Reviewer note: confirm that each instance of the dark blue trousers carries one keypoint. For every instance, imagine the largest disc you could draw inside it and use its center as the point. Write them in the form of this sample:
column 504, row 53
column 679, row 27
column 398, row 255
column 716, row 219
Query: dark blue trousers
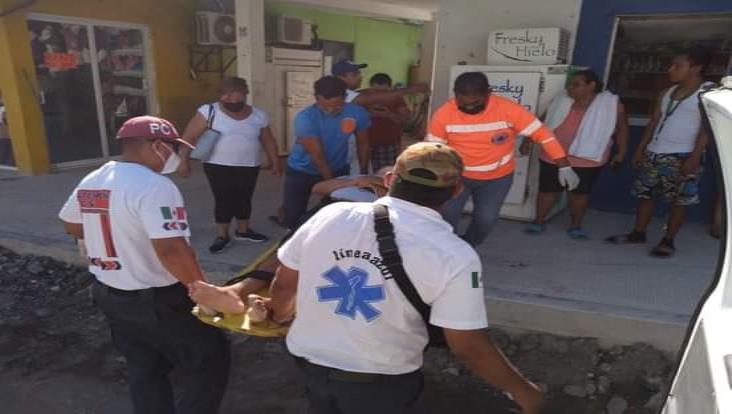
column 331, row 391
column 157, row 334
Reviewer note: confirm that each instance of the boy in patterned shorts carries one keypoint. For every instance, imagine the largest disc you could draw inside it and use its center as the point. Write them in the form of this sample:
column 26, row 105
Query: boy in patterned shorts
column 669, row 155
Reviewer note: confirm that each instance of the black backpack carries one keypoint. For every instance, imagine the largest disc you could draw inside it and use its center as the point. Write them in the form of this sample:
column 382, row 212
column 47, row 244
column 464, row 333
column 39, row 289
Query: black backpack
column 392, row 259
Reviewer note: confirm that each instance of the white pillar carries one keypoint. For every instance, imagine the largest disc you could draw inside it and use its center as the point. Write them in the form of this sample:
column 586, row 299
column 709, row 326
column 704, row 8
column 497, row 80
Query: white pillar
column 250, row 50
column 428, row 57
column 427, row 46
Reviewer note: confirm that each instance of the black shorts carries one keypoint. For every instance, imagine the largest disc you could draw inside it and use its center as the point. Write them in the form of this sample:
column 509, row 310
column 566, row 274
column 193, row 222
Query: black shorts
column 549, row 178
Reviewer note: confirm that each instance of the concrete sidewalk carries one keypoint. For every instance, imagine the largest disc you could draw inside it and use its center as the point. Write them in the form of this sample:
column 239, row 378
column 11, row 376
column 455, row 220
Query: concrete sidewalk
column 29, row 208
column 548, row 282
column 617, row 293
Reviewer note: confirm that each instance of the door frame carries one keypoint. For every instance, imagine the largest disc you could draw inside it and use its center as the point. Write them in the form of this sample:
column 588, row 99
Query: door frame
column 289, row 108
column 149, row 70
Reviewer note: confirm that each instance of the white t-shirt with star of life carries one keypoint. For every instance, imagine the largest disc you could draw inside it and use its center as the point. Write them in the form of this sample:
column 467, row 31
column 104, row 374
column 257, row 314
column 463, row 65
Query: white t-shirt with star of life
column 350, row 314
column 122, row 206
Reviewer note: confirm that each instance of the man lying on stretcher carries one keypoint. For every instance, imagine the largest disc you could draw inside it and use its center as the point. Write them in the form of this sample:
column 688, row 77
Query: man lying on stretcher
column 241, row 296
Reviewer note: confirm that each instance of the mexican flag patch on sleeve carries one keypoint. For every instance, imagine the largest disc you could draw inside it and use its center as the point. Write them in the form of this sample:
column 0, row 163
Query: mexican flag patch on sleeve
column 173, row 213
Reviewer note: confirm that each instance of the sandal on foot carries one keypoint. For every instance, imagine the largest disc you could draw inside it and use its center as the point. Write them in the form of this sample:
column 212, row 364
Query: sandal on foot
column 663, row 251
column 630, row 238
column 576, row 233
column 534, row 228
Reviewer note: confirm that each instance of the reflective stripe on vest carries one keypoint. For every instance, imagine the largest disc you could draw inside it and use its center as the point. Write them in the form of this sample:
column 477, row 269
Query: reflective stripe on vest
column 491, row 167
column 470, row 128
column 531, row 128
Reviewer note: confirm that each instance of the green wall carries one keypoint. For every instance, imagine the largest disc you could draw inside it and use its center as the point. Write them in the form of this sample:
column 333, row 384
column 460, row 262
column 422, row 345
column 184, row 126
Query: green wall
column 385, row 46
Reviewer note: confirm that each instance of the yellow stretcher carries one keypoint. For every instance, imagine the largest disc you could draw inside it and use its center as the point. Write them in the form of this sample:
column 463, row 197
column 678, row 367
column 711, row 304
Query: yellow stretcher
column 240, row 322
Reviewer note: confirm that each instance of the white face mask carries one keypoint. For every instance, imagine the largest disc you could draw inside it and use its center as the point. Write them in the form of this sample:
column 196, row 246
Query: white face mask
column 170, row 165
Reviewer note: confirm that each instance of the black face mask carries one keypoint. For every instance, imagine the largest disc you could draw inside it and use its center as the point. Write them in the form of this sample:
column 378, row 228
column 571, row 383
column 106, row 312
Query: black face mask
column 233, row 106
column 473, row 109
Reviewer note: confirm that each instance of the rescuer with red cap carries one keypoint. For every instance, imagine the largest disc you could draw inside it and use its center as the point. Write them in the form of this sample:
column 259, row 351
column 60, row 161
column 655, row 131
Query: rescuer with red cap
column 135, row 229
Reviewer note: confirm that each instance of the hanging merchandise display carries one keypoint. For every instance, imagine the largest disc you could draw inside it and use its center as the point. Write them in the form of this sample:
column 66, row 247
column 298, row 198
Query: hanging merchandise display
column 85, row 100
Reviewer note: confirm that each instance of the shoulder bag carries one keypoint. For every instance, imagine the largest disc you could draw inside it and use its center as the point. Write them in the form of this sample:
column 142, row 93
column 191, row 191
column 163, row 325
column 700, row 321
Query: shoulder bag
column 207, row 141
column 392, row 259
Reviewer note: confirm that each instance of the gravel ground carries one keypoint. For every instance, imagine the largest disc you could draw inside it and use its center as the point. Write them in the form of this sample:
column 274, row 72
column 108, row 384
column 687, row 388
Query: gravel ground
column 56, row 356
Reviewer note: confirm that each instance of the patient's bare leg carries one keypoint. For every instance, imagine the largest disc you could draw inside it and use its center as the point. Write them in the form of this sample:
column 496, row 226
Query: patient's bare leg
column 231, row 299
column 270, row 264
column 248, row 286
column 219, row 299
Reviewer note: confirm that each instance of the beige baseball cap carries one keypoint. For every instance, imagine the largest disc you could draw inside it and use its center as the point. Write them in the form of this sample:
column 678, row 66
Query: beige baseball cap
column 439, row 159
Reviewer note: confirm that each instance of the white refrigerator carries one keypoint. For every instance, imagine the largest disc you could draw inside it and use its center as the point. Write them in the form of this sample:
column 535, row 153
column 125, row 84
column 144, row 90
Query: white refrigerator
column 533, row 87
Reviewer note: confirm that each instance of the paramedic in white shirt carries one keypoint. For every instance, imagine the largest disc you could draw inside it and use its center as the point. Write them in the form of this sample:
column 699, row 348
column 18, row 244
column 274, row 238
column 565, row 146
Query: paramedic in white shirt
column 670, row 153
column 357, row 341
column 133, row 221
column 233, row 167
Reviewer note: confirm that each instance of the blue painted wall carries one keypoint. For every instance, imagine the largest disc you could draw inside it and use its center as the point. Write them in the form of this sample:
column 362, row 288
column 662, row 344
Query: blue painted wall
column 612, row 191
column 597, row 18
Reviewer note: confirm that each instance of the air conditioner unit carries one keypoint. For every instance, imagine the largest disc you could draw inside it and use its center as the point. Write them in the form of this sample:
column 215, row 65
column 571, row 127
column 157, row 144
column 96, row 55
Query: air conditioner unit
column 215, row 29
column 289, row 30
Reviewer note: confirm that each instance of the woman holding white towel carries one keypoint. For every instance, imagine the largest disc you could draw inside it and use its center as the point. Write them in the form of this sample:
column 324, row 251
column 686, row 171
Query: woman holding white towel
column 586, row 121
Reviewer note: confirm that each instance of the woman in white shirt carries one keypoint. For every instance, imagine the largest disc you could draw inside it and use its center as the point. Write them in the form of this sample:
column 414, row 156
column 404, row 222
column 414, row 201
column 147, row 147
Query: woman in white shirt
column 233, row 166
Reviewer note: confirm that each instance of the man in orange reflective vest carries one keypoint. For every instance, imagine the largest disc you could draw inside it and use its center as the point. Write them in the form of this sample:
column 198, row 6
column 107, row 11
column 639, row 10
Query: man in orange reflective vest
column 483, row 128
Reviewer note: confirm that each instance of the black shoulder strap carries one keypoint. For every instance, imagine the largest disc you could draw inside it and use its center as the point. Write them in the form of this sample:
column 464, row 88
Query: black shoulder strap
column 211, row 115
column 392, row 259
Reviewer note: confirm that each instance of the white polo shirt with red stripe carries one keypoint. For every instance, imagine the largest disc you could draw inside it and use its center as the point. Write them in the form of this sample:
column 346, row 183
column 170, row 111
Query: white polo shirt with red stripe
column 122, row 206
column 486, row 141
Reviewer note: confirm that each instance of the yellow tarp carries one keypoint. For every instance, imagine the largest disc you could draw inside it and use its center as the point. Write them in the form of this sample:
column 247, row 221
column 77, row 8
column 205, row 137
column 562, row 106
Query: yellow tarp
column 240, row 322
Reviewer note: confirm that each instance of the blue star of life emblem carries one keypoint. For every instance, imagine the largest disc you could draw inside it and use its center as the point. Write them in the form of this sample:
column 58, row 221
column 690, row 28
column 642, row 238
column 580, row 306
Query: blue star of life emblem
column 351, row 292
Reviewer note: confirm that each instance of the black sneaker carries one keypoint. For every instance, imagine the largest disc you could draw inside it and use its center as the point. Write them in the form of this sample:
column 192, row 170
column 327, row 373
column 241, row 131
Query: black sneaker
column 219, row 245
column 251, row 235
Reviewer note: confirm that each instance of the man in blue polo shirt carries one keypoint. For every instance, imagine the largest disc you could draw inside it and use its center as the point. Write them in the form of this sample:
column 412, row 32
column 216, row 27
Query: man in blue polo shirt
column 321, row 145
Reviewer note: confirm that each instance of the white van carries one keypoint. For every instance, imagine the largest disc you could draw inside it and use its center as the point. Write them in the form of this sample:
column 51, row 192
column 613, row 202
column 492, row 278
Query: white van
column 703, row 380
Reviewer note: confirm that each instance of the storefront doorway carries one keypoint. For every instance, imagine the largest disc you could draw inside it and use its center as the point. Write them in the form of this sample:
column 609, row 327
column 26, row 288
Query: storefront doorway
column 92, row 76
column 644, row 45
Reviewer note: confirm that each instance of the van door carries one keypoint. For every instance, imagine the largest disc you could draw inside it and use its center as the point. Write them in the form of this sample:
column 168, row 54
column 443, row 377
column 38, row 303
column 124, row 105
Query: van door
column 703, row 380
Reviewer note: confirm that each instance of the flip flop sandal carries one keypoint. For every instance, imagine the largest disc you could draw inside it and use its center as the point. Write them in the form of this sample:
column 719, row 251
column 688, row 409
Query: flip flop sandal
column 663, row 251
column 624, row 239
column 576, row 233
column 534, row 229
